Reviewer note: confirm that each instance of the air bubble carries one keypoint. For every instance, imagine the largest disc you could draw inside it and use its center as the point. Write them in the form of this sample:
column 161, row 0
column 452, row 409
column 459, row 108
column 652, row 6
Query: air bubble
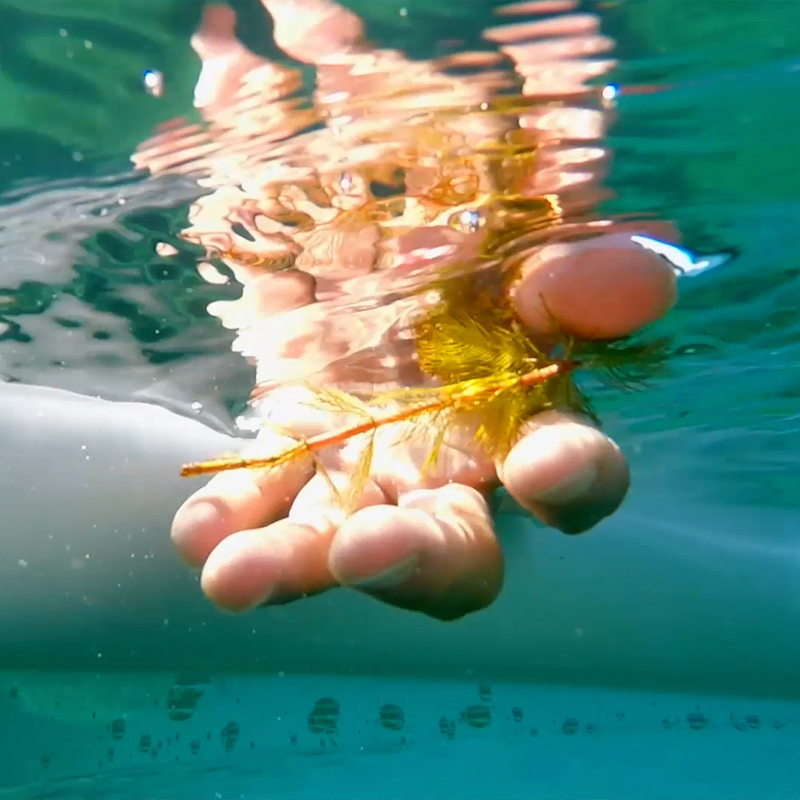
column 609, row 92
column 469, row 220
column 345, row 182
column 153, row 82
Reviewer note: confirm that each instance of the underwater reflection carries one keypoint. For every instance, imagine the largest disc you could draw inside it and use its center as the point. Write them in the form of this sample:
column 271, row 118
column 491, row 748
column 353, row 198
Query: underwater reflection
column 334, row 213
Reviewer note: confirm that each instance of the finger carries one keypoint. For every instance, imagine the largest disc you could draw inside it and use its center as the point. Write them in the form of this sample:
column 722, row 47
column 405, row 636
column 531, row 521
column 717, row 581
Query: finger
column 567, row 473
column 434, row 552
column 237, row 500
column 287, row 559
column 309, row 30
column 401, row 462
column 225, row 61
column 326, row 501
column 276, row 564
column 601, row 288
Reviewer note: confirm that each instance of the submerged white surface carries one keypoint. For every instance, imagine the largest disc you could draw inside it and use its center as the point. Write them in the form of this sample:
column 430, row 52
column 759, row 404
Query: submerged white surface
column 669, row 593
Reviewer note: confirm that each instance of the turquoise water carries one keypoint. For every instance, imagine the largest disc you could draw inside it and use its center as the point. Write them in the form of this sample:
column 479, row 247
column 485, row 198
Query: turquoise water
column 654, row 658
column 251, row 737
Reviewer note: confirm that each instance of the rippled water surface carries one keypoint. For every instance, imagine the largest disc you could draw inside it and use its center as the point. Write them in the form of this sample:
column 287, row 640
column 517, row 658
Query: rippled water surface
column 197, row 196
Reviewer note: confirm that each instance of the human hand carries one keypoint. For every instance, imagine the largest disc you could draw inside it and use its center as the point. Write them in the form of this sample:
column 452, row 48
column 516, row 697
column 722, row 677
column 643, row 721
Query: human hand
column 428, row 544
column 418, row 541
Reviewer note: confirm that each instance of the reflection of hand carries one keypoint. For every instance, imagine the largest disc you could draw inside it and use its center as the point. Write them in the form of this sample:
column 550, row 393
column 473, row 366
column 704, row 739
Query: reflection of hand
column 274, row 536
column 420, row 543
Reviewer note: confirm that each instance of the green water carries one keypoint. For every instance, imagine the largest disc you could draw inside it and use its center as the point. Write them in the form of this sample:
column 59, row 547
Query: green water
column 699, row 700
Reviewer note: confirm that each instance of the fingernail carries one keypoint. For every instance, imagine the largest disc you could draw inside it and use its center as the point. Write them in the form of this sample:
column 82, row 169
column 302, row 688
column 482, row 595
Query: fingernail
column 466, row 502
column 572, row 487
column 572, row 520
column 389, row 578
